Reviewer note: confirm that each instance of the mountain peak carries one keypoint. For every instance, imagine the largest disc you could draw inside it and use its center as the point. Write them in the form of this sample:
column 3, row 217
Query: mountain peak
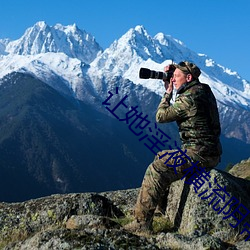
column 141, row 29
column 138, row 31
column 42, row 38
column 41, row 24
column 166, row 39
column 69, row 28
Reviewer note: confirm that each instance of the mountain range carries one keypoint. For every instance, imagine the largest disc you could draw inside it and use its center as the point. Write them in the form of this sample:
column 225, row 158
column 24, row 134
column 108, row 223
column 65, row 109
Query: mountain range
column 57, row 133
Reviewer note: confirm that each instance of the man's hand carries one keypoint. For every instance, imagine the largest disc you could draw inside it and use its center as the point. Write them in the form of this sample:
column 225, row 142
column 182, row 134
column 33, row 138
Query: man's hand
column 168, row 85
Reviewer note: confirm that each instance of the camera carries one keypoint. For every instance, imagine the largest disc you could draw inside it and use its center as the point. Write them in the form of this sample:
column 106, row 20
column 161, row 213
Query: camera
column 145, row 73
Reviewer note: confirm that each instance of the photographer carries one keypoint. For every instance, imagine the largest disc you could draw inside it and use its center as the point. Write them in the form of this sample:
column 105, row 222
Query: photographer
column 195, row 111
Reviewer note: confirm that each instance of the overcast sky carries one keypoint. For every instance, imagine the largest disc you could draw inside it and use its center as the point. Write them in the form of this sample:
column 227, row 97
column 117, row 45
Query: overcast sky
column 217, row 28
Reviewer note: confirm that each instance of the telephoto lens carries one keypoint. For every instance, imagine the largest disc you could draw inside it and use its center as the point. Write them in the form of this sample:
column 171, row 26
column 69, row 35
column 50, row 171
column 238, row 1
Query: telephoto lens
column 145, row 73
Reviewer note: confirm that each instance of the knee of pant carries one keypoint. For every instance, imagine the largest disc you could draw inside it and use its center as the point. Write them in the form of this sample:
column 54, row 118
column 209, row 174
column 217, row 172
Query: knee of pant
column 153, row 171
column 148, row 171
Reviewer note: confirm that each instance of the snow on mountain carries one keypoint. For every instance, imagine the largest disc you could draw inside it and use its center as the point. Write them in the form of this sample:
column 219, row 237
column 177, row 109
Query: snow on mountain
column 68, row 53
column 71, row 61
column 46, row 67
column 57, row 55
column 63, row 73
column 137, row 49
column 42, row 38
column 124, row 56
column 3, row 43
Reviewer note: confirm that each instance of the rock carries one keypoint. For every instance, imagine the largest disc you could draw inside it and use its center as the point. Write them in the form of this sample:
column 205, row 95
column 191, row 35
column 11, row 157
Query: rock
column 243, row 245
column 192, row 215
column 63, row 239
column 241, row 169
column 124, row 199
column 178, row 241
column 20, row 220
column 92, row 221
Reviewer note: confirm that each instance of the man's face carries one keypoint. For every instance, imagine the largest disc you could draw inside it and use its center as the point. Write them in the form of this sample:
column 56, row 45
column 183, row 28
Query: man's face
column 179, row 78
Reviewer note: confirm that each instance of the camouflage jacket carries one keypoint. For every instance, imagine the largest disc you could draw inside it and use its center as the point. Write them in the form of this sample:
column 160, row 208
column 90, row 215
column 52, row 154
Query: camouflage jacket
column 196, row 113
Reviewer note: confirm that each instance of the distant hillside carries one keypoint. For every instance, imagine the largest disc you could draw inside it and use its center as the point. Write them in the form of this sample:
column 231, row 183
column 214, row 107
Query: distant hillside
column 57, row 137
column 52, row 144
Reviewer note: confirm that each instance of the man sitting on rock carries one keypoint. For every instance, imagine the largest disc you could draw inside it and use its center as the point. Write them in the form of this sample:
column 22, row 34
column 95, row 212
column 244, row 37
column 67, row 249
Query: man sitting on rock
column 195, row 111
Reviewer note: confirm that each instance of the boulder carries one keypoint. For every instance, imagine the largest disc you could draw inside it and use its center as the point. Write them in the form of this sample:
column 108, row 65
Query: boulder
column 195, row 211
column 19, row 221
column 94, row 221
column 241, row 169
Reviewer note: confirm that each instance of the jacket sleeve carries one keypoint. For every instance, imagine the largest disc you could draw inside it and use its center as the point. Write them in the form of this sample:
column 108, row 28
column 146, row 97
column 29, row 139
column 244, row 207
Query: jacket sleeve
column 182, row 108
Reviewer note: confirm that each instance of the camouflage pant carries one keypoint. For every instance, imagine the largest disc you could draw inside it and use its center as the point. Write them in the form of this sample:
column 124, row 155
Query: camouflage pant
column 158, row 178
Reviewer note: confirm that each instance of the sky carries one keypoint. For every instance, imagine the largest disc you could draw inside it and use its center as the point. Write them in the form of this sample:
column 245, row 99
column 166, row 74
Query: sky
column 217, row 28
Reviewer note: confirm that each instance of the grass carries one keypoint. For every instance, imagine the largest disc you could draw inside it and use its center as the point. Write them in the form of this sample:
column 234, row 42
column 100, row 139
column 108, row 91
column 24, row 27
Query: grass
column 160, row 223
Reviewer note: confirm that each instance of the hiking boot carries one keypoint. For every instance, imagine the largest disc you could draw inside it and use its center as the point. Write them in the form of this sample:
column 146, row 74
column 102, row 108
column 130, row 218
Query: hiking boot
column 159, row 211
column 140, row 227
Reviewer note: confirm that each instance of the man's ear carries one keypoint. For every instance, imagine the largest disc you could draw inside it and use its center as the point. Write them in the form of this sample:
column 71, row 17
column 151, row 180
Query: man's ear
column 189, row 77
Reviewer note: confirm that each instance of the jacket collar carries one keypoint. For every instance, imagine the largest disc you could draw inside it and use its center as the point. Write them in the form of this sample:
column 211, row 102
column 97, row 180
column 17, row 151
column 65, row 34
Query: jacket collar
column 187, row 85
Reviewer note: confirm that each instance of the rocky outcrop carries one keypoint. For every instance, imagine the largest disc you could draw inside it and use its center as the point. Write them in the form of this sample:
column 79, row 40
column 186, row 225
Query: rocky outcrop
column 95, row 221
column 205, row 211
column 71, row 221
column 241, row 169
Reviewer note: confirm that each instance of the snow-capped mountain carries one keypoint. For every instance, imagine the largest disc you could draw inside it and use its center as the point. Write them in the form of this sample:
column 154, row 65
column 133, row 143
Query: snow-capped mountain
column 67, row 52
column 51, row 138
column 41, row 38
column 137, row 49
column 3, row 43
column 64, row 73
column 71, row 61
column 50, row 54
